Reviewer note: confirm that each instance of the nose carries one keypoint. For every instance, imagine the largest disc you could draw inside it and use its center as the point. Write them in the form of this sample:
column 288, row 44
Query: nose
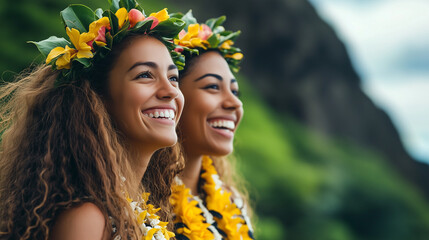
column 166, row 90
column 231, row 101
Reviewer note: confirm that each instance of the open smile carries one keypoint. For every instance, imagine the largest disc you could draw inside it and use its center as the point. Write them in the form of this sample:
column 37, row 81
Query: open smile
column 161, row 115
column 224, row 127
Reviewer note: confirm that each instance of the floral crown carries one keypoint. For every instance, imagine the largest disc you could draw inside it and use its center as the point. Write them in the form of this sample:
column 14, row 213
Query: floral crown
column 196, row 38
column 92, row 34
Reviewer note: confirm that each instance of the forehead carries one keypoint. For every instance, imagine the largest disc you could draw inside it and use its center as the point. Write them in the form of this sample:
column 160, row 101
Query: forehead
column 211, row 62
column 144, row 49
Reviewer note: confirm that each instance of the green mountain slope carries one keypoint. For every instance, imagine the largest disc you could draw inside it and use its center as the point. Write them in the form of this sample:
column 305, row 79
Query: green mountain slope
column 310, row 187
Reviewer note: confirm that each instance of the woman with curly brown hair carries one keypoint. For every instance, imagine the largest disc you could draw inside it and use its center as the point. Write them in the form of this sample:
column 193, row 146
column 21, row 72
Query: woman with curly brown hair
column 80, row 130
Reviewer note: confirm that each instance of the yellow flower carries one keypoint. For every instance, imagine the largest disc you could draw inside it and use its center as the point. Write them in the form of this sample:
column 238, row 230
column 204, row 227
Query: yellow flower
column 80, row 42
column 145, row 197
column 63, row 61
column 122, row 15
column 81, row 50
column 236, row 56
column 95, row 26
column 244, row 232
column 188, row 213
column 192, row 38
column 141, row 217
column 150, row 233
column 167, row 234
column 227, row 44
column 161, row 15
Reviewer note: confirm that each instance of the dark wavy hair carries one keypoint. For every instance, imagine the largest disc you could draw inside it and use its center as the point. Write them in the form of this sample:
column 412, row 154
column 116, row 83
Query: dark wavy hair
column 60, row 148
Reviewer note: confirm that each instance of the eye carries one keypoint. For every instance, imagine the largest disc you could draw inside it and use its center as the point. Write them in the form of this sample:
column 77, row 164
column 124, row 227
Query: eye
column 236, row 93
column 174, row 79
column 146, row 74
column 212, row 86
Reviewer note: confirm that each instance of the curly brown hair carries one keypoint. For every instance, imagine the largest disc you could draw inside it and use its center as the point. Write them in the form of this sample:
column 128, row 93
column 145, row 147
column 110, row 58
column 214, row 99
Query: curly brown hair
column 60, row 148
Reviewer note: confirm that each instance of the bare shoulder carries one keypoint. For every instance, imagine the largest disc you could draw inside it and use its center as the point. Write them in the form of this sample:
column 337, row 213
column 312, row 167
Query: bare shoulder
column 83, row 222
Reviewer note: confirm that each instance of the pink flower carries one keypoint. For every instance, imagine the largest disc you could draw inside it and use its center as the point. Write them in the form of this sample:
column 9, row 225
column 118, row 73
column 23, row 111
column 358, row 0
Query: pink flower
column 135, row 16
column 154, row 23
column 100, row 40
column 205, row 32
column 101, row 35
column 182, row 34
column 179, row 50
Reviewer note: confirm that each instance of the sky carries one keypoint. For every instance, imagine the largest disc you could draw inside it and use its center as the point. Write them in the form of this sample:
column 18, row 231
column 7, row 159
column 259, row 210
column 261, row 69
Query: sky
column 388, row 42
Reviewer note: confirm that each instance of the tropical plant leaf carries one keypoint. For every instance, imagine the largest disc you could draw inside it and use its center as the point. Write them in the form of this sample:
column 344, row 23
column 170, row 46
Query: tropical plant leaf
column 47, row 45
column 231, row 36
column 178, row 15
column 213, row 41
column 114, row 5
column 169, row 28
column 128, row 4
column 99, row 13
column 143, row 26
column 188, row 18
column 113, row 21
column 78, row 16
column 86, row 62
column 215, row 22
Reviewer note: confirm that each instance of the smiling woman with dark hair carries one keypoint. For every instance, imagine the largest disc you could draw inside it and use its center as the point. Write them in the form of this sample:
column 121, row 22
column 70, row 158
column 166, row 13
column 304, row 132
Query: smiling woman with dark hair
column 207, row 204
column 80, row 130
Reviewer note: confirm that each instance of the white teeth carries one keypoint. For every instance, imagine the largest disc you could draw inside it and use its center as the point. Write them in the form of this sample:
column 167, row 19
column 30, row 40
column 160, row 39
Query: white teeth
column 168, row 114
column 223, row 123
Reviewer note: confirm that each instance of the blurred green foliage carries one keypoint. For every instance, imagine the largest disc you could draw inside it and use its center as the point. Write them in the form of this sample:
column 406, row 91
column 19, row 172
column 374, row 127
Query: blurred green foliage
column 303, row 186
column 309, row 187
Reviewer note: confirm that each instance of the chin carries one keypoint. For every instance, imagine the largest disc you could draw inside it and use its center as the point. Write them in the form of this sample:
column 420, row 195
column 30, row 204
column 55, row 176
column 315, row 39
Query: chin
column 220, row 151
column 167, row 141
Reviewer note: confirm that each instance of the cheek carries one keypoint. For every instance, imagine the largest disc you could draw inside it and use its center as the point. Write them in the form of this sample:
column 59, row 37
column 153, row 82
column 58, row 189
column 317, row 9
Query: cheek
column 180, row 102
column 136, row 95
column 198, row 107
column 240, row 113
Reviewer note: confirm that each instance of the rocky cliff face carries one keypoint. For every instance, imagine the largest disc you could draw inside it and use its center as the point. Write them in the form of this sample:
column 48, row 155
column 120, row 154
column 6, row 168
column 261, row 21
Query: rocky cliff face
column 302, row 69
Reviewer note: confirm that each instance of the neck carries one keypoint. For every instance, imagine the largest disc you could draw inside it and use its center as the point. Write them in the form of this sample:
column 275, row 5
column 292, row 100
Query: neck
column 140, row 158
column 191, row 173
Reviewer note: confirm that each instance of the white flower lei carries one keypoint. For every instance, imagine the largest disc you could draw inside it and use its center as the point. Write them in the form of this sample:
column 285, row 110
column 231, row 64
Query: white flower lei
column 147, row 219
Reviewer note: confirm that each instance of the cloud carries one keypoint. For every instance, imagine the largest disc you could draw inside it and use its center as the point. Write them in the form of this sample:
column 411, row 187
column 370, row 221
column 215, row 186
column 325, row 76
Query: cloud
column 407, row 103
column 376, row 32
column 388, row 41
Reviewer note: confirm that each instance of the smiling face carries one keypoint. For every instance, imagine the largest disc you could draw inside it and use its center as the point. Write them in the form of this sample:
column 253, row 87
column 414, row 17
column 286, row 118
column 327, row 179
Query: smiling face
column 213, row 109
column 144, row 99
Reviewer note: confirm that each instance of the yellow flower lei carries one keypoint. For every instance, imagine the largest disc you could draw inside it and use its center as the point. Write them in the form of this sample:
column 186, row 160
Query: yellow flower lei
column 150, row 225
column 219, row 216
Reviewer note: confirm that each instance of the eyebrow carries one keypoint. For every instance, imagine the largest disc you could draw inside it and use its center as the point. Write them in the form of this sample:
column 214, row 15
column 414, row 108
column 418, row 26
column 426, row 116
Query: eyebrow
column 172, row 66
column 218, row 77
column 150, row 64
